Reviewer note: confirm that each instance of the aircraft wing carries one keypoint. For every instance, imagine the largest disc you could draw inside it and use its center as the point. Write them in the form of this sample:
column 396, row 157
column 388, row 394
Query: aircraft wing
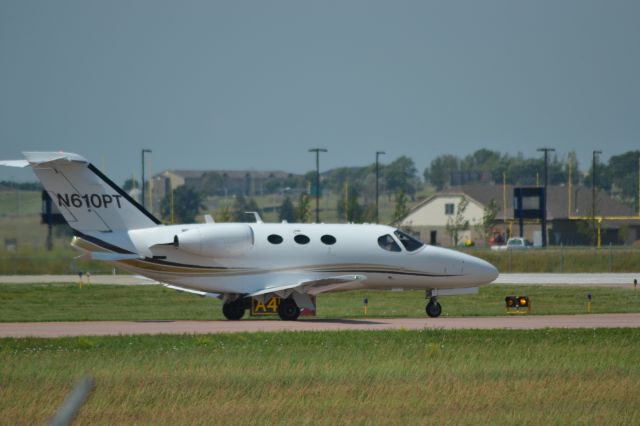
column 108, row 256
column 191, row 291
column 313, row 286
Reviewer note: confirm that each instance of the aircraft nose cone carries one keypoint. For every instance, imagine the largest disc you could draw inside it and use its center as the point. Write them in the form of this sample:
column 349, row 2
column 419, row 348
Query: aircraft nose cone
column 482, row 270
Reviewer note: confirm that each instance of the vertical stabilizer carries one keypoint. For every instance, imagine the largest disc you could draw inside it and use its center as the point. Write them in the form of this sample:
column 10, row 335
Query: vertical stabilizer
column 88, row 200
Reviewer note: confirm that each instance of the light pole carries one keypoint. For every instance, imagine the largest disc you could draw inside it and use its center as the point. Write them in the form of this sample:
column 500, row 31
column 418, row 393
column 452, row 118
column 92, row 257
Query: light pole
column 142, row 195
column 378, row 154
column 544, row 208
column 318, row 151
column 593, row 193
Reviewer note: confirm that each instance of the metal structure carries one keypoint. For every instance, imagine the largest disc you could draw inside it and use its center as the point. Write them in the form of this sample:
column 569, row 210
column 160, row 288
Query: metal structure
column 378, row 154
column 318, row 151
column 593, row 195
column 143, row 194
column 546, row 175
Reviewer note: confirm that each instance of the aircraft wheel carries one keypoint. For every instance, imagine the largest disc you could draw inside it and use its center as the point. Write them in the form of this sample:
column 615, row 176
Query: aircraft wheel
column 433, row 308
column 233, row 310
column 288, row 310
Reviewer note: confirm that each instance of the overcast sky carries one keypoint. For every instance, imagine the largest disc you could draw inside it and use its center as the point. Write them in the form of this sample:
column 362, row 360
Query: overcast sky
column 255, row 84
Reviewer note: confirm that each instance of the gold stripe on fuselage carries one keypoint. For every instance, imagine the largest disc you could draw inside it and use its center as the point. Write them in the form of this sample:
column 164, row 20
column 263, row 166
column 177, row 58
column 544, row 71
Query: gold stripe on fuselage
column 157, row 265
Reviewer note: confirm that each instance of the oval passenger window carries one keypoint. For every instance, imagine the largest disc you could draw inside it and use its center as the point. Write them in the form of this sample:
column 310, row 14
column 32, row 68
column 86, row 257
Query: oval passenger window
column 328, row 239
column 274, row 239
column 301, row 239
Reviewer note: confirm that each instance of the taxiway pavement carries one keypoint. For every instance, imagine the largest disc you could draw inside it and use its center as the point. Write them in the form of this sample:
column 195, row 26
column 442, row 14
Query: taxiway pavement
column 114, row 328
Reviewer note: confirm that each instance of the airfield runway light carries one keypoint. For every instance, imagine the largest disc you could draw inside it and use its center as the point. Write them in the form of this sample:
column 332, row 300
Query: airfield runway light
column 366, row 305
column 635, row 283
column 589, row 301
column 517, row 304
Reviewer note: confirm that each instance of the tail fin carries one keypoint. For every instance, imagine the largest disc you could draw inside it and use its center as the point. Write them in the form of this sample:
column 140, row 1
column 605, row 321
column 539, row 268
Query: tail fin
column 88, row 200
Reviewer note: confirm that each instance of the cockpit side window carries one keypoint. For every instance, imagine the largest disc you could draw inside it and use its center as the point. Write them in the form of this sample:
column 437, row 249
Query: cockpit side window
column 409, row 243
column 388, row 243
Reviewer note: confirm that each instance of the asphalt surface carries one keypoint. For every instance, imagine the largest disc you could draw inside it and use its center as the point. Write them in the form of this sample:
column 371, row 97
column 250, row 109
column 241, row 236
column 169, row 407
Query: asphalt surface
column 114, row 328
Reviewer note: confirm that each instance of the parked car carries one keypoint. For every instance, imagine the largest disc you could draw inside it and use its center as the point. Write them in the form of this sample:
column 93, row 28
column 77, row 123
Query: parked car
column 515, row 243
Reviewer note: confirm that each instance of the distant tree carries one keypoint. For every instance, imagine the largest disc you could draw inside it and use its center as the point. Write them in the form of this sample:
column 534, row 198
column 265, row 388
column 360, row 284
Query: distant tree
column 348, row 206
column 225, row 214
column 458, row 223
column 287, row 211
column 241, row 206
column 400, row 175
column 401, row 208
column 620, row 176
column 303, row 209
column 272, row 186
column 489, row 214
column 483, row 160
column 187, row 203
column 129, row 184
column 440, row 171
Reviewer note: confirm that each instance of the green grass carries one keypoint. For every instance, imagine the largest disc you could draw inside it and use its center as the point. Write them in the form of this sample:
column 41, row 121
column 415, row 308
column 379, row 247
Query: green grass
column 391, row 377
column 20, row 203
column 554, row 259
column 60, row 260
column 28, row 260
column 67, row 302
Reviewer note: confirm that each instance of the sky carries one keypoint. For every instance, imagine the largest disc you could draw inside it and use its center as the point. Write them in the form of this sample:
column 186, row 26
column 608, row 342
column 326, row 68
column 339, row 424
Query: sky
column 253, row 84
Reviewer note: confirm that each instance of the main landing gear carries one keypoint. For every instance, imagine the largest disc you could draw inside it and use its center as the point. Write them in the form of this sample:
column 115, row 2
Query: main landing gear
column 288, row 309
column 433, row 307
column 234, row 310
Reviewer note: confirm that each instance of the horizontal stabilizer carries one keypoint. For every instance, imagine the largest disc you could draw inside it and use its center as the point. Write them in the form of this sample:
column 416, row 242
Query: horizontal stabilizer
column 308, row 285
column 14, row 163
column 190, row 291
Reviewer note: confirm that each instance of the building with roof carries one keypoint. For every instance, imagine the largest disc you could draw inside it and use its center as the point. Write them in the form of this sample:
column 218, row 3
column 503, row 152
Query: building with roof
column 223, row 182
column 569, row 216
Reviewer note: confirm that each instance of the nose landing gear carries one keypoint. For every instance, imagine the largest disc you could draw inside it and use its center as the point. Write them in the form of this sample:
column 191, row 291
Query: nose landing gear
column 234, row 310
column 434, row 309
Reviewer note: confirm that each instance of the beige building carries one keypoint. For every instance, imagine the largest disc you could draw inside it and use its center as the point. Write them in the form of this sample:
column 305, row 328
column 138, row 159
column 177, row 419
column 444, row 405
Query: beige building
column 568, row 216
column 430, row 218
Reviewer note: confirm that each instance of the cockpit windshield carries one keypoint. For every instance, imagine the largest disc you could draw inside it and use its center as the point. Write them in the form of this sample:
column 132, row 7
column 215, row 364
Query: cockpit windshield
column 409, row 243
column 387, row 243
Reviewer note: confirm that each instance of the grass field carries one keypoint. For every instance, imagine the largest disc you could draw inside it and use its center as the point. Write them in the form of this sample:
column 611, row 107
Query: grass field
column 393, row 377
column 62, row 260
column 67, row 302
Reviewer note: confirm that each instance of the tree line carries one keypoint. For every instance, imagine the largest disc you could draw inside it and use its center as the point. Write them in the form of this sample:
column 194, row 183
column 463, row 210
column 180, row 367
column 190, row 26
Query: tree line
column 618, row 176
column 356, row 186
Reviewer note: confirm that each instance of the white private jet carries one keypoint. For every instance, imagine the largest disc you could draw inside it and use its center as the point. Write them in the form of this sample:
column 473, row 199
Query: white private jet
column 238, row 262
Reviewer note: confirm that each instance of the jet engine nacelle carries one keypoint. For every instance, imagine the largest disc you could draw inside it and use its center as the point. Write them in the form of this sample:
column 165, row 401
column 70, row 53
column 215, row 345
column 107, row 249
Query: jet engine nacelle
column 220, row 240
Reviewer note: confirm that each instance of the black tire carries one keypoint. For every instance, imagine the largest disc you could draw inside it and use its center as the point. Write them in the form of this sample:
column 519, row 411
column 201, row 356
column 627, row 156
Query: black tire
column 233, row 310
column 434, row 309
column 288, row 310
